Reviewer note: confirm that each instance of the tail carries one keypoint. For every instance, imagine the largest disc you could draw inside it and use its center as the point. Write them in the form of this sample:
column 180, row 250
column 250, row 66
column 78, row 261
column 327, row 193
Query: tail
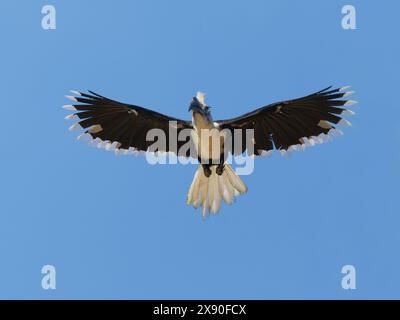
column 209, row 192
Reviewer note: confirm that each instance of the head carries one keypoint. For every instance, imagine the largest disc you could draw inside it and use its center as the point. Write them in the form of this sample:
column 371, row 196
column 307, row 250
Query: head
column 198, row 105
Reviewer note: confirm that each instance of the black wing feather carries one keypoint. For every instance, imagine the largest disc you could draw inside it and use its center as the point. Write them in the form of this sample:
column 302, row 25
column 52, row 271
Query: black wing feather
column 287, row 123
column 125, row 124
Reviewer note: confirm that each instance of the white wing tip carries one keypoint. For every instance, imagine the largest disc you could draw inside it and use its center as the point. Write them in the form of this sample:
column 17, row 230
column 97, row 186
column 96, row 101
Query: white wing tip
column 109, row 146
column 344, row 88
column 308, row 142
column 344, row 122
column 348, row 112
column 94, row 142
column 348, row 93
column 84, row 136
column 75, row 126
column 69, row 107
column 75, row 92
column 335, row 132
column 71, row 98
column 350, row 102
column 71, row 116
column 265, row 153
column 317, row 139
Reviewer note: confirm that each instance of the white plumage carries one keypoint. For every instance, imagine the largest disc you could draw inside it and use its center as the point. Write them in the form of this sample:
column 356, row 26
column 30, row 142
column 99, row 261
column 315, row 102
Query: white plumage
column 209, row 192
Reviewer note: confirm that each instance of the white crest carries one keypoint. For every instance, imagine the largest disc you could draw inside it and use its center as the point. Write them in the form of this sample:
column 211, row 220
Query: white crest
column 201, row 96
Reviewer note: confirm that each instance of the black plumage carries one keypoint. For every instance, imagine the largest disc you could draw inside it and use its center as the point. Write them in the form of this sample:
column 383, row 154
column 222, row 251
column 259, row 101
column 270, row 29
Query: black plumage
column 124, row 123
column 277, row 126
column 284, row 124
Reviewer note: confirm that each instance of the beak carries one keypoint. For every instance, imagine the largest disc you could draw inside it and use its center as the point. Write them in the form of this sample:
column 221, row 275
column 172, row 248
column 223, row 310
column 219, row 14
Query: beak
column 195, row 108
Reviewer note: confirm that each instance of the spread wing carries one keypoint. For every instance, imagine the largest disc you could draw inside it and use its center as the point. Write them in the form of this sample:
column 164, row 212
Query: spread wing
column 292, row 124
column 123, row 127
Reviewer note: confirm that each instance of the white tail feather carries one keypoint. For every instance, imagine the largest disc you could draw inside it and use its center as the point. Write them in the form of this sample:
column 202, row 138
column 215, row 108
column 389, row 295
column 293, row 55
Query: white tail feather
column 209, row 192
column 235, row 180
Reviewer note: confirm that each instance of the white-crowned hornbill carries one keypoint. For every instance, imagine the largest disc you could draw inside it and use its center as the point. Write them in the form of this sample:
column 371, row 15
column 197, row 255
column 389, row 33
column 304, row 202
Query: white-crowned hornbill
column 284, row 126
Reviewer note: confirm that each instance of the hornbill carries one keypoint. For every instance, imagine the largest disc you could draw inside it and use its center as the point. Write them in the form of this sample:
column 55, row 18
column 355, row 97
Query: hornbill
column 284, row 126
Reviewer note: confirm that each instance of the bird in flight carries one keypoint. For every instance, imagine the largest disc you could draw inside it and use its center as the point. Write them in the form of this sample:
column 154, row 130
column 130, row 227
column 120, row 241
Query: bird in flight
column 284, row 126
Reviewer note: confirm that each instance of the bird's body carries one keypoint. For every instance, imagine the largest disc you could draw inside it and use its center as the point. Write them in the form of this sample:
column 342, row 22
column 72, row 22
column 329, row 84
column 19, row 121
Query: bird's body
column 209, row 130
column 284, row 126
column 214, row 180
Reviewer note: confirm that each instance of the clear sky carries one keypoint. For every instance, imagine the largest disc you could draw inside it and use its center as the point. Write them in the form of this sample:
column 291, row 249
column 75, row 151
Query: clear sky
column 117, row 227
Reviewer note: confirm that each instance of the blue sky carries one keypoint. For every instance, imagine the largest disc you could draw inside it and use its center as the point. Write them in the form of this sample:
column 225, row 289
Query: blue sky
column 116, row 227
